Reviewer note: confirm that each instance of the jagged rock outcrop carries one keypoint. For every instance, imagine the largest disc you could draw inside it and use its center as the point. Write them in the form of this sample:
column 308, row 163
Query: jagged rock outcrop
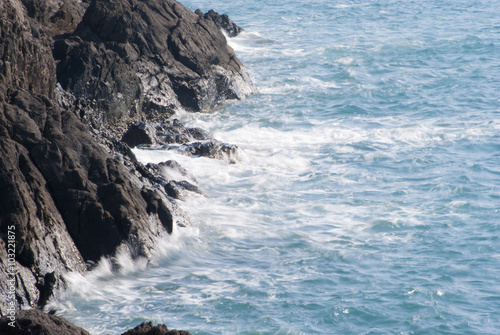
column 30, row 322
column 55, row 16
column 173, row 135
column 147, row 328
column 145, row 59
column 73, row 73
column 222, row 22
column 176, row 181
column 75, row 195
column 42, row 243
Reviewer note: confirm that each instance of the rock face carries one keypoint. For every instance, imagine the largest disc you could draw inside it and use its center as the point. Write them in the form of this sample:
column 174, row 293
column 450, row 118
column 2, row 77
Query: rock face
column 147, row 58
column 147, row 328
column 68, row 198
column 30, row 322
column 70, row 190
column 222, row 22
column 33, row 321
column 172, row 135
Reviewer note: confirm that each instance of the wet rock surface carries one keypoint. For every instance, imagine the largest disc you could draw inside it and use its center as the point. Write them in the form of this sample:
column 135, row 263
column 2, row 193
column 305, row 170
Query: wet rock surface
column 173, row 135
column 73, row 76
column 147, row 328
column 176, row 181
column 222, row 21
column 30, row 322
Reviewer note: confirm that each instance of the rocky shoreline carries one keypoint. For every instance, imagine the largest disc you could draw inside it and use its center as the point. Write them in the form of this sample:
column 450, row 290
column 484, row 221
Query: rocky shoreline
column 34, row 321
column 81, row 83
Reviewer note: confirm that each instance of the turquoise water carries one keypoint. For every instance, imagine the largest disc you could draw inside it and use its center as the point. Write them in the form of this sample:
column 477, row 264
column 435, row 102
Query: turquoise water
column 367, row 195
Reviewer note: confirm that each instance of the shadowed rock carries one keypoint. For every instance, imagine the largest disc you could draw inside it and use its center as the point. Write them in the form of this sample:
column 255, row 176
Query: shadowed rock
column 222, row 22
column 30, row 322
column 74, row 192
column 33, row 321
column 138, row 133
column 147, row 328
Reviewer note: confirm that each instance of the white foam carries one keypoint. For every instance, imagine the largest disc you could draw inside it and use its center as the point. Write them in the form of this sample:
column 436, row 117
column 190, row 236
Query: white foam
column 148, row 156
column 249, row 42
column 345, row 60
column 315, row 83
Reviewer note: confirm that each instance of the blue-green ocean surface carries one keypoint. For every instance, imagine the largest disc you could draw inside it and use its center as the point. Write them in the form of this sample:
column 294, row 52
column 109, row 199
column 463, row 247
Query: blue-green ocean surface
column 367, row 196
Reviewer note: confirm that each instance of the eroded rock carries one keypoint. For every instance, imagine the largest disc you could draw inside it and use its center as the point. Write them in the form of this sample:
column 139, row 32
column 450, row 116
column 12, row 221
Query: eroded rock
column 147, row 328
column 73, row 191
column 147, row 59
column 33, row 321
column 222, row 22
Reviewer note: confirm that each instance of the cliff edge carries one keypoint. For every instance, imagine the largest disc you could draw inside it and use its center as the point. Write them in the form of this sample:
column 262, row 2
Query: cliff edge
column 73, row 75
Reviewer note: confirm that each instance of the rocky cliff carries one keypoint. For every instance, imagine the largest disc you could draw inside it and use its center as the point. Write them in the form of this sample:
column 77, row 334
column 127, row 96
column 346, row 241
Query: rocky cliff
column 73, row 75
column 29, row 322
column 144, row 58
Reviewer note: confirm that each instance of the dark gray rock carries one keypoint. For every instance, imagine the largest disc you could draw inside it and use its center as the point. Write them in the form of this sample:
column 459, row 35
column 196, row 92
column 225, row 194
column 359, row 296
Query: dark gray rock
column 138, row 133
column 70, row 188
column 55, row 16
column 147, row 328
column 209, row 148
column 222, row 22
column 33, row 321
column 69, row 199
column 172, row 167
column 175, row 180
column 146, row 59
column 173, row 135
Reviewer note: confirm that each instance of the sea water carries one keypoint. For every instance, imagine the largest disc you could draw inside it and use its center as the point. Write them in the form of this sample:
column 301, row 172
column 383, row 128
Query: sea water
column 366, row 198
